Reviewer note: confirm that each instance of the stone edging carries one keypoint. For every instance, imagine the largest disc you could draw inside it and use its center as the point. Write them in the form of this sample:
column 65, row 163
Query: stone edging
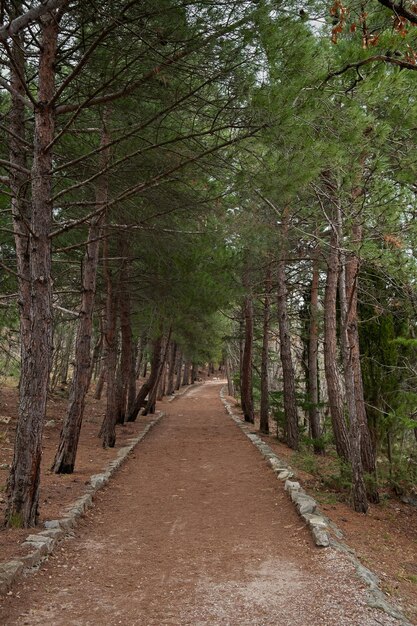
column 44, row 542
column 322, row 529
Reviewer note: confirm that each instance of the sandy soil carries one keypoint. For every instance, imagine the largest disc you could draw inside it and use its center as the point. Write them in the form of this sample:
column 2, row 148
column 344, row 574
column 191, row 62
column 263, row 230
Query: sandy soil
column 194, row 530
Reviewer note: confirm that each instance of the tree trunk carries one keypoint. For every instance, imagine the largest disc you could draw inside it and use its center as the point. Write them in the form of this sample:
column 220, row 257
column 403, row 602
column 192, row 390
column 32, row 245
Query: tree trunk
column 330, row 348
column 360, row 502
column 313, row 376
column 194, row 373
column 179, row 372
column 264, row 409
column 127, row 341
column 148, row 384
column 246, row 389
column 131, row 394
column 368, row 451
column 171, row 373
column 64, row 461
column 290, row 398
column 229, row 376
column 19, row 182
column 151, row 403
column 186, row 375
column 162, row 384
column 66, row 355
column 108, row 428
column 23, row 483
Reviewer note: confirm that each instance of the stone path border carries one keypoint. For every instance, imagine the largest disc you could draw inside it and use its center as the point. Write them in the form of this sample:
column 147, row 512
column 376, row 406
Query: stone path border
column 324, row 532
column 44, row 542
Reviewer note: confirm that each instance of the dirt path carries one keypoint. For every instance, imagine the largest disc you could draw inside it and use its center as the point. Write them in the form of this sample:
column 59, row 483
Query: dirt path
column 194, row 530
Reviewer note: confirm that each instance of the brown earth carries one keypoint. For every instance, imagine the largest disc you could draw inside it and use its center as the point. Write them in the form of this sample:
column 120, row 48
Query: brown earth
column 385, row 540
column 57, row 491
column 193, row 530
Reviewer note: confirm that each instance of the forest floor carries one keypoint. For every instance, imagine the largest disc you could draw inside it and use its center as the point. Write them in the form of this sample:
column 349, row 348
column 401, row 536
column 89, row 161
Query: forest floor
column 194, row 529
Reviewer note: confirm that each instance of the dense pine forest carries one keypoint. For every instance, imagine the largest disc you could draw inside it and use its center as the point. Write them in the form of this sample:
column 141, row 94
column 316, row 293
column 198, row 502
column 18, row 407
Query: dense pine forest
column 188, row 188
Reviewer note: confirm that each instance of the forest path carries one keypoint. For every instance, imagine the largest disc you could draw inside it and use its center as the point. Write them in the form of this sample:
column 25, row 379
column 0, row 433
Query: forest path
column 194, row 529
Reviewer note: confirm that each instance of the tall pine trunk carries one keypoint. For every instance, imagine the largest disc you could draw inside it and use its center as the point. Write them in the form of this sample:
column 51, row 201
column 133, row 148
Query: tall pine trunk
column 290, row 398
column 108, row 427
column 171, row 372
column 246, row 385
column 360, row 502
column 23, row 483
column 179, row 371
column 331, row 360
column 264, row 409
column 368, row 451
column 312, row 357
column 124, row 370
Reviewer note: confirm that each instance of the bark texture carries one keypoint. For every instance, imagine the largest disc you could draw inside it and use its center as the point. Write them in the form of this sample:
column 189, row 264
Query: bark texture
column 264, row 408
column 290, row 398
column 331, row 360
column 246, row 385
column 23, row 483
column 313, row 348
column 360, row 502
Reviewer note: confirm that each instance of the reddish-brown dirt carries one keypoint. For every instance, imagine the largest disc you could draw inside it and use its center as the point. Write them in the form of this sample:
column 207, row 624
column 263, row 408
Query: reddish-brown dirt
column 385, row 540
column 193, row 530
column 57, row 491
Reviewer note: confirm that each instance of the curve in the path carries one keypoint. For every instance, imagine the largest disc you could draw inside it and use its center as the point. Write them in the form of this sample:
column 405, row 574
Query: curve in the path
column 194, row 530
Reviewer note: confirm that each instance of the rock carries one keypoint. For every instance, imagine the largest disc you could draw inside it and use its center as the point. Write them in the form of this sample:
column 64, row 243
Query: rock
column 305, row 504
column 50, row 424
column 321, row 538
column 98, row 480
column 53, row 533
column 292, row 485
column 6, row 419
column 4, row 466
column 54, row 523
column 66, row 523
column 8, row 572
column 32, row 559
column 369, row 577
column 314, row 520
column 285, row 475
column 43, row 544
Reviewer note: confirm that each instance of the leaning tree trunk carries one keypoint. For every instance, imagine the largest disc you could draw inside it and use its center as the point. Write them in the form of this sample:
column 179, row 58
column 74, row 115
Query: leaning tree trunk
column 148, row 384
column 246, row 388
column 264, row 410
column 360, row 502
column 151, row 403
column 288, row 374
column 313, row 376
column 64, row 461
column 23, row 483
